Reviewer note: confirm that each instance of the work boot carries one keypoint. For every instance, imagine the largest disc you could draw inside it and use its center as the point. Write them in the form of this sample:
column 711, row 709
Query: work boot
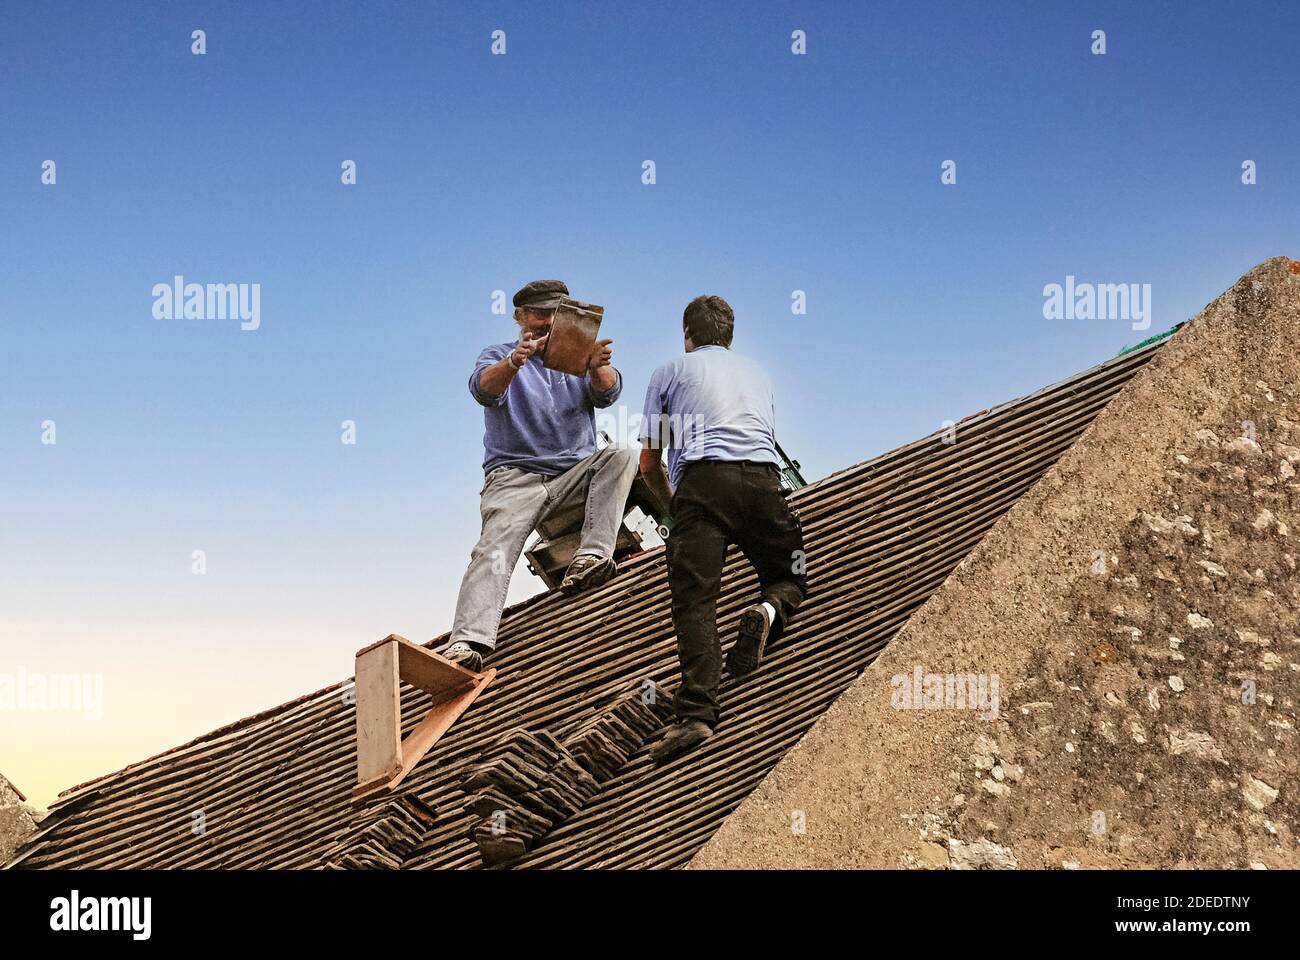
column 463, row 655
column 747, row 652
column 586, row 572
column 681, row 736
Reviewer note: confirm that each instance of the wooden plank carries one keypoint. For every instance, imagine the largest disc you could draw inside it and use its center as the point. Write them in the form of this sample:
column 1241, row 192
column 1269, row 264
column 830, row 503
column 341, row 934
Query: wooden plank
column 379, row 713
column 424, row 736
column 431, row 673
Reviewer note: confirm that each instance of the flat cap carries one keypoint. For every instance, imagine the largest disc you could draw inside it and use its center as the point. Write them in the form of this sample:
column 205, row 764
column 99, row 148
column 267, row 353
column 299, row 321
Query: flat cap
column 541, row 294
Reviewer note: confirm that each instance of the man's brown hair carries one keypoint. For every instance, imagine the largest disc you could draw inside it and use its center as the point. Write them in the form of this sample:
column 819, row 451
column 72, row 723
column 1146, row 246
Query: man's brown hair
column 709, row 321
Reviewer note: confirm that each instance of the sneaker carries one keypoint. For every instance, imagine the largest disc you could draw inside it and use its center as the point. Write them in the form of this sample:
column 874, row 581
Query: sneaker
column 586, row 572
column 681, row 736
column 463, row 655
column 747, row 652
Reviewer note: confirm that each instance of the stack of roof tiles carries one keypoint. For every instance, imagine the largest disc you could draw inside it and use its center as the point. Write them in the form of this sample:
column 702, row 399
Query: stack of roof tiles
column 603, row 744
column 382, row 836
column 881, row 538
column 528, row 782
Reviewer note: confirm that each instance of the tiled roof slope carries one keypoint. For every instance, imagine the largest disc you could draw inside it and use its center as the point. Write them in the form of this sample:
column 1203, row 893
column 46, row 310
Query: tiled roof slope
column 274, row 791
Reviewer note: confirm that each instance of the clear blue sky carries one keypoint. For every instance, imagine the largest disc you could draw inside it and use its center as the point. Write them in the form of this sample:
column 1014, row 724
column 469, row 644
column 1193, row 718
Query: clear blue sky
column 477, row 173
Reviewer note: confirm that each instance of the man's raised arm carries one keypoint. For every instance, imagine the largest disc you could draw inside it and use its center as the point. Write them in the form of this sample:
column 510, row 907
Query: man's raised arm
column 494, row 380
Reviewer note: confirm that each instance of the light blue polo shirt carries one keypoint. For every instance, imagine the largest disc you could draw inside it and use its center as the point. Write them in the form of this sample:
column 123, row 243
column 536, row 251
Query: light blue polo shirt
column 711, row 404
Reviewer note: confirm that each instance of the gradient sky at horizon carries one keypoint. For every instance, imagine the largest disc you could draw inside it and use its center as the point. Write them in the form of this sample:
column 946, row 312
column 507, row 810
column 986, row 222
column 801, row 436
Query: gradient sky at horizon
column 477, row 173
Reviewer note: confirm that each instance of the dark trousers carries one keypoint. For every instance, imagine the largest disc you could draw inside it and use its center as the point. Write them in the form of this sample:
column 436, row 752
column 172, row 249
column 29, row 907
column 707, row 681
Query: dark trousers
column 718, row 503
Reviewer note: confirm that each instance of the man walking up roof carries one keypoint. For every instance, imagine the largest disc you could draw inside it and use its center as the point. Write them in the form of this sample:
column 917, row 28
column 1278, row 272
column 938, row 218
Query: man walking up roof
column 715, row 413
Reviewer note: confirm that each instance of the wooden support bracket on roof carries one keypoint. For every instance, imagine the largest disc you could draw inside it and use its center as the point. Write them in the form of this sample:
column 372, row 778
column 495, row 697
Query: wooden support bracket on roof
column 383, row 757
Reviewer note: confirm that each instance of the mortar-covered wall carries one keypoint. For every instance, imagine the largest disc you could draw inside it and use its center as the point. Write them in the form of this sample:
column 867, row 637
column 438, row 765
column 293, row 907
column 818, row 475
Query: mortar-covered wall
column 1139, row 609
column 16, row 821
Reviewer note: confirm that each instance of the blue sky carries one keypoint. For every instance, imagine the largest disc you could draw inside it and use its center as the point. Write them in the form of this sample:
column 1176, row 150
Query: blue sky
column 476, row 173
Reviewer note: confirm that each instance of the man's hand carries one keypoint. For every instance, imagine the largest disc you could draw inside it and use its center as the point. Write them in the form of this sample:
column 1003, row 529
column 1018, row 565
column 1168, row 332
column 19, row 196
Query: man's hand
column 601, row 355
column 526, row 347
column 495, row 379
column 602, row 373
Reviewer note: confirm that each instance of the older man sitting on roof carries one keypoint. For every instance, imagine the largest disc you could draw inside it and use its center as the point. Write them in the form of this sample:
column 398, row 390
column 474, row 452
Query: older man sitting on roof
column 539, row 456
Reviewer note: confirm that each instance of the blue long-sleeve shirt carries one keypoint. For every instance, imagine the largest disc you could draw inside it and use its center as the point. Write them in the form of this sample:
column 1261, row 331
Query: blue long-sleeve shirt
column 545, row 421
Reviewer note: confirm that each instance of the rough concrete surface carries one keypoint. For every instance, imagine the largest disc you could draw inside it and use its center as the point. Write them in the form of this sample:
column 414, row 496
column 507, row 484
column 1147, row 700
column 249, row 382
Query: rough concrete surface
column 1139, row 607
column 17, row 820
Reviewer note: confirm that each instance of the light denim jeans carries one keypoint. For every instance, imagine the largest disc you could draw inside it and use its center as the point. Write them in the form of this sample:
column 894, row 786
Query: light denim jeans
column 513, row 502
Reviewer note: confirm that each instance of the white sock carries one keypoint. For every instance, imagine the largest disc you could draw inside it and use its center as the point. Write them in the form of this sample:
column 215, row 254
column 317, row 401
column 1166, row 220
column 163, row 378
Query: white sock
column 771, row 612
